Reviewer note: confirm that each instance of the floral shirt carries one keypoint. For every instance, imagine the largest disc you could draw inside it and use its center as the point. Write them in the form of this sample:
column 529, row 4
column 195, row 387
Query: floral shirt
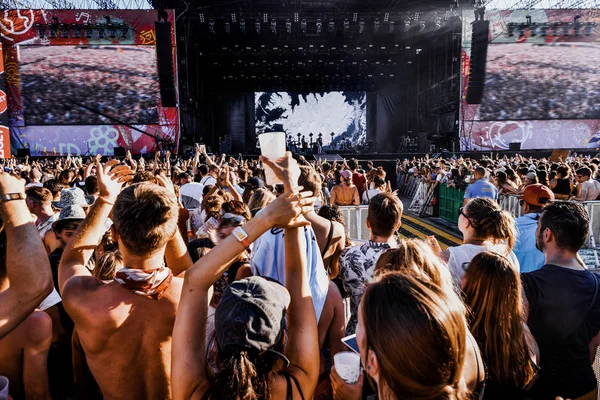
column 357, row 265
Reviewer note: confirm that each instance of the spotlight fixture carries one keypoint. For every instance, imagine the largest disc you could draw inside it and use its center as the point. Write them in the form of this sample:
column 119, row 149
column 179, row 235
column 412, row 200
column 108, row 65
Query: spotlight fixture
column 211, row 26
column 303, row 26
column 346, row 24
column 201, row 18
column 331, row 26
column 319, row 26
column 242, row 25
column 355, row 17
column 288, row 26
column 274, row 26
column 227, row 27
column 438, row 23
column 392, row 26
column 376, row 26
column 296, row 16
column 386, row 17
column 257, row 26
column 361, row 26
column 233, row 18
column 265, row 18
column 421, row 25
column 406, row 23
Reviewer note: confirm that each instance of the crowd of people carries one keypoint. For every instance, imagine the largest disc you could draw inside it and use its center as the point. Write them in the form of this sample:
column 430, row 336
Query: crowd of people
column 195, row 279
column 118, row 81
column 574, row 178
column 541, row 81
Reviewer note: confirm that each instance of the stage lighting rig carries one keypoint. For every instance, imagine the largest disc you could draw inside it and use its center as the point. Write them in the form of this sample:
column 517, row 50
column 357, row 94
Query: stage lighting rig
column 361, row 26
column 288, row 26
column 227, row 27
column 211, row 26
column 376, row 25
column 392, row 26
column 303, row 26
column 242, row 25
column 331, row 26
column 257, row 26
column 319, row 26
column 274, row 26
column 346, row 24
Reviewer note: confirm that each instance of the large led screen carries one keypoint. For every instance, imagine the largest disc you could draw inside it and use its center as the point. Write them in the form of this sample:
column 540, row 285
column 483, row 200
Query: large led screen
column 89, row 84
column 537, row 81
column 342, row 113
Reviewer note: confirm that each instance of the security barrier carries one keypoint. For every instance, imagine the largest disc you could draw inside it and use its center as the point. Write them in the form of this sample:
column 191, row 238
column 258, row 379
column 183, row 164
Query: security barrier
column 451, row 199
column 356, row 221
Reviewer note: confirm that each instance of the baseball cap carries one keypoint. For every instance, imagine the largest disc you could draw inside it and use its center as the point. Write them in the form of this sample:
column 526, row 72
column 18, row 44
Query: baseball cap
column 537, row 195
column 256, row 182
column 251, row 314
column 346, row 174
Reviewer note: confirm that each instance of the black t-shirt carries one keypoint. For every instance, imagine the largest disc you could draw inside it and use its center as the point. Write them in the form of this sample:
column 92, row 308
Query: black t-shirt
column 559, row 300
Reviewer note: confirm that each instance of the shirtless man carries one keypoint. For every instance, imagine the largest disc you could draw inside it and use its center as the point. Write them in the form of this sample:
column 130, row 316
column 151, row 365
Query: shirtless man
column 25, row 282
column 125, row 325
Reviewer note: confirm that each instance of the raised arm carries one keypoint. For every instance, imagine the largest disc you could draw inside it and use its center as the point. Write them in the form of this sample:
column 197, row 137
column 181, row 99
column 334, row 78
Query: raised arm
column 27, row 266
column 110, row 179
column 196, row 160
column 188, row 373
column 303, row 344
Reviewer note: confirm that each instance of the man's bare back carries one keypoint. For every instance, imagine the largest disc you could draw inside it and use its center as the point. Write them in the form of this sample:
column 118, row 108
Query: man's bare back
column 126, row 337
column 24, row 357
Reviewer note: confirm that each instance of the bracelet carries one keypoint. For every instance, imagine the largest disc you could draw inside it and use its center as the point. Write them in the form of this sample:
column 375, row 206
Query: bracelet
column 105, row 200
column 12, row 196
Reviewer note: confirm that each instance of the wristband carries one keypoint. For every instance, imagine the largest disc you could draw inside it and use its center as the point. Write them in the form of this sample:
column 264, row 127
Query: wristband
column 12, row 196
column 241, row 235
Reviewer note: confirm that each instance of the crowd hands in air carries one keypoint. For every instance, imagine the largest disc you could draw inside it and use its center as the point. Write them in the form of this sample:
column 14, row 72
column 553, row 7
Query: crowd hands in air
column 194, row 279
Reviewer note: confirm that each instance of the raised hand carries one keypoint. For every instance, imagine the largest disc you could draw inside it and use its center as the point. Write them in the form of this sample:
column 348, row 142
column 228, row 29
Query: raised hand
column 111, row 177
column 284, row 211
column 166, row 183
column 286, row 169
column 10, row 184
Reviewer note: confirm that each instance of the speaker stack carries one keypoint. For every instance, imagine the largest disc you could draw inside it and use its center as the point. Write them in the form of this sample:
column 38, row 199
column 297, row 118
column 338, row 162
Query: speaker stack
column 479, row 47
column 164, row 61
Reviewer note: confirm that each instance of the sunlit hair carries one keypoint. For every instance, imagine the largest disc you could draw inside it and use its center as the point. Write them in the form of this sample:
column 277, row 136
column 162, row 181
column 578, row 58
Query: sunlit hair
column 490, row 222
column 145, row 217
column 413, row 256
column 419, row 335
column 107, row 266
column 260, row 199
column 492, row 292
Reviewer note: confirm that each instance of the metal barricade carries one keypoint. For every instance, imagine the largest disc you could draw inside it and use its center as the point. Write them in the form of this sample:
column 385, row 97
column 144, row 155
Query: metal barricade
column 409, row 187
column 356, row 221
column 510, row 203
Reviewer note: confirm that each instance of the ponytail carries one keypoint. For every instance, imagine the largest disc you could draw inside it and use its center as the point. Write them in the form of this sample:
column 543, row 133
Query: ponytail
column 491, row 222
column 243, row 374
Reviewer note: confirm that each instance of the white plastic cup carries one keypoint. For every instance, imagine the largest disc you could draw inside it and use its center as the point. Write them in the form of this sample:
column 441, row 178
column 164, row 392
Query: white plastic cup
column 3, row 388
column 272, row 145
column 347, row 366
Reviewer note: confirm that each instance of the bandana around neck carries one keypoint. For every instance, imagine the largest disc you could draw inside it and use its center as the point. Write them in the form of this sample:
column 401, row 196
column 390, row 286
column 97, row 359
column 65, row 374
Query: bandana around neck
column 146, row 283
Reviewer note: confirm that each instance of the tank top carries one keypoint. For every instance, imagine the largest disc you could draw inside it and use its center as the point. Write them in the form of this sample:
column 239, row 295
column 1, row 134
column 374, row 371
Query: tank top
column 563, row 186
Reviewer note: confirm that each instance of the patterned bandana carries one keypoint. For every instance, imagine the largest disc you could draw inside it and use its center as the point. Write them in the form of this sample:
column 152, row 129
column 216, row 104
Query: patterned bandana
column 146, row 283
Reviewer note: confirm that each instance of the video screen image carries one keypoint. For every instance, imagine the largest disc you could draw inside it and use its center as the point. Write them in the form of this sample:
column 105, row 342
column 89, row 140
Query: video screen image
column 341, row 113
column 528, row 81
column 82, row 85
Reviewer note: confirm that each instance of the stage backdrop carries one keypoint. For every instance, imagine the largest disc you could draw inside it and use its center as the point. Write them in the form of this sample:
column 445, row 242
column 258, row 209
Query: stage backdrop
column 54, row 84
column 541, row 86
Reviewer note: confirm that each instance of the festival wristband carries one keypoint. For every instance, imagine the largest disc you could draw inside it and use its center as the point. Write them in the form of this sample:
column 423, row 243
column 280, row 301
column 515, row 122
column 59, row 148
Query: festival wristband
column 12, row 196
column 241, row 235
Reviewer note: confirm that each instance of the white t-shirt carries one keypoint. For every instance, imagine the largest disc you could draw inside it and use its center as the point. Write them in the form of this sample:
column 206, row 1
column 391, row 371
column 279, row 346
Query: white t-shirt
column 590, row 189
column 369, row 194
column 208, row 180
column 47, row 225
column 462, row 254
column 191, row 195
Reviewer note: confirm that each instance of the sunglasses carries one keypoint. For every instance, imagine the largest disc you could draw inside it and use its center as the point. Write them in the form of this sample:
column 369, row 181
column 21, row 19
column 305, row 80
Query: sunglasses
column 232, row 219
column 461, row 212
